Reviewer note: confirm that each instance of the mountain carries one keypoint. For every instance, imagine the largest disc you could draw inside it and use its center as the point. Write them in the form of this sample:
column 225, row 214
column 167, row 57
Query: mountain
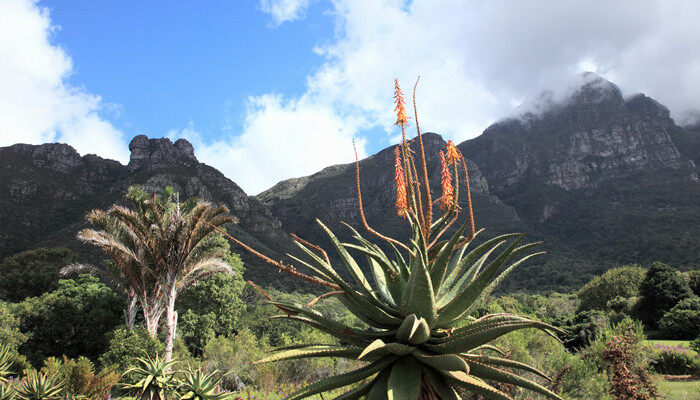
column 601, row 179
column 46, row 191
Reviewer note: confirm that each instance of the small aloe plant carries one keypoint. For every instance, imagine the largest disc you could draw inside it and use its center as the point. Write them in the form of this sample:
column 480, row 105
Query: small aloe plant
column 39, row 386
column 155, row 379
column 5, row 363
column 197, row 385
column 418, row 341
column 7, row 391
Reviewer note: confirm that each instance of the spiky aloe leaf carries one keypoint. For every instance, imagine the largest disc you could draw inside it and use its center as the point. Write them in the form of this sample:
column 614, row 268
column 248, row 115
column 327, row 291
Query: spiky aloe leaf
column 313, row 351
column 413, row 330
column 418, row 297
column 504, row 362
column 439, row 266
column 443, row 362
column 338, row 381
column 487, row 372
column 440, row 386
column 378, row 348
column 475, row 385
column 404, row 380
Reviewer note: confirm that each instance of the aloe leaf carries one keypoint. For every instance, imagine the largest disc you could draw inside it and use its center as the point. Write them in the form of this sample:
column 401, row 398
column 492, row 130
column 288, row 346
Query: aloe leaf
column 466, row 279
column 341, row 380
column 474, row 254
column 404, row 380
column 379, row 387
column 437, row 271
column 475, row 385
column 439, row 385
column 379, row 348
column 320, row 351
column 486, row 372
column 504, row 362
column 442, row 362
column 471, row 293
column 418, row 297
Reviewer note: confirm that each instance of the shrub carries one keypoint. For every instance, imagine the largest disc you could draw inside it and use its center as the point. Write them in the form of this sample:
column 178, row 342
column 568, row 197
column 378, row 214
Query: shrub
column 683, row 320
column 79, row 378
column 71, row 320
column 127, row 346
column 695, row 344
column 233, row 357
column 10, row 335
column 662, row 288
column 32, row 273
column 674, row 360
column 629, row 379
column 618, row 282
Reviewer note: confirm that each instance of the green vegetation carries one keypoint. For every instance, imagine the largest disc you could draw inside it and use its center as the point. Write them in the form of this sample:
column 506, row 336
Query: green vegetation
column 681, row 390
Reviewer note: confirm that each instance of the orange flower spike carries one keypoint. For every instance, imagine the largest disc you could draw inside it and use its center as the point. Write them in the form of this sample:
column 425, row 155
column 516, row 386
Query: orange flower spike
column 447, row 199
column 401, row 118
column 452, row 153
column 400, row 179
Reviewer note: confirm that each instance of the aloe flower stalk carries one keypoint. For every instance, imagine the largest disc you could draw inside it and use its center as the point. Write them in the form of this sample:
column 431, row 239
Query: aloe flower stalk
column 418, row 340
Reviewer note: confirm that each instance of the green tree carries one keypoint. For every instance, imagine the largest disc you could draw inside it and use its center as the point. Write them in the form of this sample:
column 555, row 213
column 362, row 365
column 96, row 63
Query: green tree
column 126, row 346
column 32, row 272
column 72, row 320
column 211, row 307
column 662, row 288
column 10, row 334
column 618, row 282
column 683, row 320
column 162, row 246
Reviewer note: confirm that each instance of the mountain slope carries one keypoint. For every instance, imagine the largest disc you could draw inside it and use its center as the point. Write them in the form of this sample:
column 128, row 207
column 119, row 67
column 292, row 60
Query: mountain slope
column 46, row 191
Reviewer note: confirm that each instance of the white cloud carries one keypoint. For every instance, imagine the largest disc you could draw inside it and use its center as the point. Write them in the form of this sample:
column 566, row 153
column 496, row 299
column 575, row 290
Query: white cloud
column 281, row 139
column 284, row 10
column 37, row 105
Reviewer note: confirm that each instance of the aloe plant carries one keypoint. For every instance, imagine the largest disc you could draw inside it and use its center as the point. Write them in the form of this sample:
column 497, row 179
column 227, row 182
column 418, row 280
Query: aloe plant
column 5, row 363
column 39, row 386
column 7, row 391
column 418, row 341
column 197, row 385
column 155, row 379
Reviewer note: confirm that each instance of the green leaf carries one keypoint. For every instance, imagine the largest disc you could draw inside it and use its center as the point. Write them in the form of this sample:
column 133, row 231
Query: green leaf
column 443, row 362
column 475, row 385
column 418, row 297
column 316, row 351
column 493, row 374
column 439, row 385
column 404, row 380
column 341, row 380
column 504, row 362
column 437, row 270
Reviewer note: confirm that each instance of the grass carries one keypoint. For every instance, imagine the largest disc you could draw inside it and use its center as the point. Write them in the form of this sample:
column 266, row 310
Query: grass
column 675, row 343
column 680, row 390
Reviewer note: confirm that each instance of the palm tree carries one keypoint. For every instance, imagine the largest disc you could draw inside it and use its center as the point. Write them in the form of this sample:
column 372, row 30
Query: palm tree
column 160, row 247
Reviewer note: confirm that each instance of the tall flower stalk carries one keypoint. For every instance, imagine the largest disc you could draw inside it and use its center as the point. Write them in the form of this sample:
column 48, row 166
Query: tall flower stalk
column 418, row 340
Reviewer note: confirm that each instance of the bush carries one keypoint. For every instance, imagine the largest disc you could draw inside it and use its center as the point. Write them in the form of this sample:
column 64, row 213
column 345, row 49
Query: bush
column 126, row 346
column 618, row 282
column 662, row 288
column 673, row 360
column 71, row 320
column 683, row 320
column 10, row 335
column 233, row 357
column 79, row 378
column 693, row 280
column 32, row 273
column 695, row 344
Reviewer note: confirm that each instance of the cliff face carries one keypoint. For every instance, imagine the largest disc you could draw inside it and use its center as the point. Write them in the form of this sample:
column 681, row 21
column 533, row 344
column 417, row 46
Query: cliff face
column 602, row 180
column 46, row 191
column 592, row 137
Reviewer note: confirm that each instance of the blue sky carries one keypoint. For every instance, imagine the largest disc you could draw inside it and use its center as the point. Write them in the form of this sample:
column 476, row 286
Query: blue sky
column 272, row 89
column 171, row 63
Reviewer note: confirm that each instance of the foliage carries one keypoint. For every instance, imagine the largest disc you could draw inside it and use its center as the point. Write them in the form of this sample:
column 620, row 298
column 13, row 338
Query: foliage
column 155, row 379
column 161, row 246
column 5, row 363
column 80, row 380
column 10, row 334
column 618, row 282
column 211, row 307
column 127, row 345
column 411, row 341
column 628, row 380
column 92, row 308
column 695, row 344
column 39, row 386
column 233, row 357
column 32, row 273
column 197, row 385
column 683, row 320
column 662, row 288
column 693, row 280
column 675, row 360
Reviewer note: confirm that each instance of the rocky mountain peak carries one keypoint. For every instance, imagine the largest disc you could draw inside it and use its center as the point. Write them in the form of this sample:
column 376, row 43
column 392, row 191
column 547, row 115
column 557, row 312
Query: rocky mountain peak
column 593, row 88
column 159, row 151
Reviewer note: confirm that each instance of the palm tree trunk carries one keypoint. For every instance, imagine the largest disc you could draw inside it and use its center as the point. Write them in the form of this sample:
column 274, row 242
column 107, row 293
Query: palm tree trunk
column 151, row 315
column 132, row 307
column 170, row 323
